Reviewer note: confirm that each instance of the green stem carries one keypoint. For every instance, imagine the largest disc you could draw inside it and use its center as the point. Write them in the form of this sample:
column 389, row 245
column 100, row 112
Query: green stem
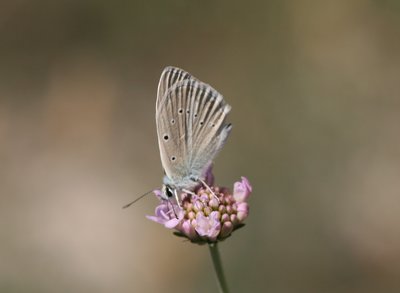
column 219, row 272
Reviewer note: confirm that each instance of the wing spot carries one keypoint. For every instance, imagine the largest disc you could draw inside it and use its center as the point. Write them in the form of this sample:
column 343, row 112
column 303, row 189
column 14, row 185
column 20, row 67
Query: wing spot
column 201, row 122
column 212, row 125
column 195, row 115
column 173, row 121
column 166, row 137
column 180, row 111
column 187, row 111
column 173, row 158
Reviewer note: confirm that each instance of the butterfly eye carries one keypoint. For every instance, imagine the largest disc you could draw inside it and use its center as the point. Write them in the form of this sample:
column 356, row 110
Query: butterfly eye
column 168, row 192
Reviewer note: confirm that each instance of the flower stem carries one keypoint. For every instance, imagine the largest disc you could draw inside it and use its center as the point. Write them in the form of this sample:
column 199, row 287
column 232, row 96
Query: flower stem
column 219, row 272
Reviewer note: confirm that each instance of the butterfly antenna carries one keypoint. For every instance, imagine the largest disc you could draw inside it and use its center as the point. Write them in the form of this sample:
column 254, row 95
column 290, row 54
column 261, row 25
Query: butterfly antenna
column 140, row 197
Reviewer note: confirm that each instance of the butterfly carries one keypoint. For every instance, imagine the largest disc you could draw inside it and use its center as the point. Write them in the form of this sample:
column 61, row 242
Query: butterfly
column 191, row 130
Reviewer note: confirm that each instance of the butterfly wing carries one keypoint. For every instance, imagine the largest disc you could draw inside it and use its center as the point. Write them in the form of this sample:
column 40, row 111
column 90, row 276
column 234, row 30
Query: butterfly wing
column 191, row 129
column 169, row 77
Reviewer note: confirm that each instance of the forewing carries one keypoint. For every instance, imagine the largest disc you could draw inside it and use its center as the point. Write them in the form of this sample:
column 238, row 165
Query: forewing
column 169, row 77
column 191, row 128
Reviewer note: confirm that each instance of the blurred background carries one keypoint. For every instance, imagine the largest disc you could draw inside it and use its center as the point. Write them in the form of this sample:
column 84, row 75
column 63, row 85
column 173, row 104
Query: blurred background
column 314, row 88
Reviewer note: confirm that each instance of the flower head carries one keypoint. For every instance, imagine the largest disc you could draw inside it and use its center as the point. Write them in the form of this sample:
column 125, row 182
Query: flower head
column 206, row 217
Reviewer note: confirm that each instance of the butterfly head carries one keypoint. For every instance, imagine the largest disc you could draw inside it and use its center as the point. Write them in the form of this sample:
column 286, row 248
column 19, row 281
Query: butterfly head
column 167, row 192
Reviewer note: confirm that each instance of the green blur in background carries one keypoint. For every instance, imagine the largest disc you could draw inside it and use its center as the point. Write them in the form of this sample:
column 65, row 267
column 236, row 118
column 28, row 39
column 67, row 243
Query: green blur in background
column 314, row 88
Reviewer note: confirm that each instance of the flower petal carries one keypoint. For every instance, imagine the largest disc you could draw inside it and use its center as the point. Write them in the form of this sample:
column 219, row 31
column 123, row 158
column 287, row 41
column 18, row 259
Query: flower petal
column 155, row 219
column 160, row 214
column 157, row 193
column 208, row 226
column 242, row 190
column 242, row 211
column 165, row 216
column 172, row 223
column 188, row 230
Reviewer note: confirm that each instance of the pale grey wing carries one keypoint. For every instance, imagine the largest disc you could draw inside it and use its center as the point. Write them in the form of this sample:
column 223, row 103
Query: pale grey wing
column 172, row 130
column 209, row 127
column 191, row 129
column 170, row 77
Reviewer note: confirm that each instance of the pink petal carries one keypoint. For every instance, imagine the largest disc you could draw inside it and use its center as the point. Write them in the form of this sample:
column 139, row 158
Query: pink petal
column 157, row 193
column 155, row 219
column 172, row 223
column 188, row 230
column 208, row 226
column 242, row 190
column 242, row 211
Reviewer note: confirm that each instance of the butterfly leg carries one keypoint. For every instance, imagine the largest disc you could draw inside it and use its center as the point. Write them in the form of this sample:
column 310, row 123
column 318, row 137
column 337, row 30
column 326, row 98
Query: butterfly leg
column 172, row 207
column 188, row 192
column 178, row 201
column 209, row 188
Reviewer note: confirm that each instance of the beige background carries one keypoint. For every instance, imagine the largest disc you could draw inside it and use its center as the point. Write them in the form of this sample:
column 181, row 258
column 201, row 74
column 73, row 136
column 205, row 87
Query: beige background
column 314, row 87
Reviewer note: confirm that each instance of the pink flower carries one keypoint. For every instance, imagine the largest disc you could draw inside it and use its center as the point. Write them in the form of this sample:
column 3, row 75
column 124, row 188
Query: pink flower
column 204, row 218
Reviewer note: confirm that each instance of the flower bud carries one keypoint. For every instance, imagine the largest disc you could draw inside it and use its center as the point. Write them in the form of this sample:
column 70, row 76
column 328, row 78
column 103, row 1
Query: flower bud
column 191, row 215
column 189, row 206
column 207, row 211
column 198, row 206
column 224, row 218
column 204, row 197
column 226, row 229
column 234, row 219
column 213, row 203
column 188, row 229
